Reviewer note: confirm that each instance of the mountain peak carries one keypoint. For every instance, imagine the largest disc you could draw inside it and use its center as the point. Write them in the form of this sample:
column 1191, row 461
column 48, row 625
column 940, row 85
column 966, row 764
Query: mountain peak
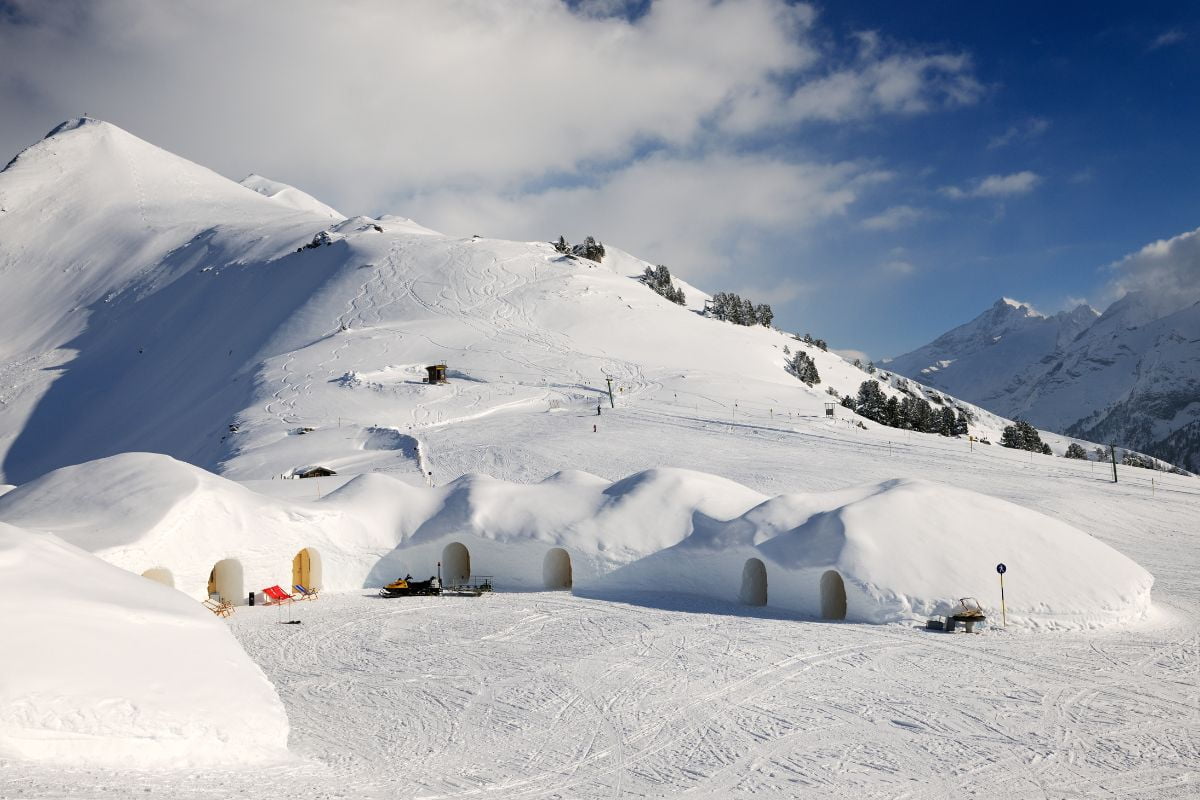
column 75, row 124
column 1025, row 309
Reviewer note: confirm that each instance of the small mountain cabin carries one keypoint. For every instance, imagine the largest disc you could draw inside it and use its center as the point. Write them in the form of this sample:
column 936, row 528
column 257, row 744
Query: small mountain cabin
column 437, row 373
column 314, row 472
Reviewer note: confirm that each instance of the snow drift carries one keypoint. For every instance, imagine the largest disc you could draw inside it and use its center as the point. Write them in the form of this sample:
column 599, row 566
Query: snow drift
column 104, row 667
column 901, row 550
column 878, row 553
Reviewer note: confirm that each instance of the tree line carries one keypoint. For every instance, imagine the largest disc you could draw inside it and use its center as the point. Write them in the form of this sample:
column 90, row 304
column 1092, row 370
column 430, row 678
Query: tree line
column 908, row 413
column 659, row 279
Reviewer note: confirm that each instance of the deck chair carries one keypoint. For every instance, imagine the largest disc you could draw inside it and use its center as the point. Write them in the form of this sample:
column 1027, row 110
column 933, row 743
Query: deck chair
column 222, row 608
column 277, row 595
column 306, row 594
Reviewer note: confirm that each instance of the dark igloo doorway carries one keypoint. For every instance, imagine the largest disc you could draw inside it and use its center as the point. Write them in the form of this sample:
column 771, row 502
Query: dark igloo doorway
column 754, row 583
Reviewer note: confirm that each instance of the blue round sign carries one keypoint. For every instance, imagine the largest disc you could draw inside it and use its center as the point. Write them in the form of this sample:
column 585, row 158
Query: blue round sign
column 1001, row 569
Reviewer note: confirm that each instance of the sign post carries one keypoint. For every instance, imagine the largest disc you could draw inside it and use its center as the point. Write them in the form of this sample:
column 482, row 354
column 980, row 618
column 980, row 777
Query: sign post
column 1000, row 568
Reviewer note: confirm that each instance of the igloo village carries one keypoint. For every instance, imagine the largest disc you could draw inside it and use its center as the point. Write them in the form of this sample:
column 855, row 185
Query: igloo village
column 297, row 504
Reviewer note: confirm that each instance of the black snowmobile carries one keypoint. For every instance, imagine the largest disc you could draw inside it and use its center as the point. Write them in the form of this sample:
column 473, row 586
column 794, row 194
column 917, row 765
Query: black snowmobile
column 407, row 587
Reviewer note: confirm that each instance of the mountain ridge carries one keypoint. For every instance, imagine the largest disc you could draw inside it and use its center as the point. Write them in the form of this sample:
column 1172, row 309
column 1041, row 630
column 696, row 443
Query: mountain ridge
column 1130, row 374
column 170, row 309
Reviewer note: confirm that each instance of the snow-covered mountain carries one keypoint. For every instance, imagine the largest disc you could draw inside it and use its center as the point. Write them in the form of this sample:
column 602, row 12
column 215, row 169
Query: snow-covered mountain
column 1130, row 375
column 151, row 304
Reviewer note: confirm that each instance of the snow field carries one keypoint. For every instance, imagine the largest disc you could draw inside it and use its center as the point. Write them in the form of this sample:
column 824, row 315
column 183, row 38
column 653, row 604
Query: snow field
column 551, row 695
column 104, row 667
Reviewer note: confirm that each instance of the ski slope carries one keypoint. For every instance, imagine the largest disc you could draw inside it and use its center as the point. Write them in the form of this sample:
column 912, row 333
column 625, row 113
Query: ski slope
column 151, row 304
column 550, row 695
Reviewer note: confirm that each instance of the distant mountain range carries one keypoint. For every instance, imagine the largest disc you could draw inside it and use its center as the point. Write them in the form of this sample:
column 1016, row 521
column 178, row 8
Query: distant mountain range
column 1130, row 375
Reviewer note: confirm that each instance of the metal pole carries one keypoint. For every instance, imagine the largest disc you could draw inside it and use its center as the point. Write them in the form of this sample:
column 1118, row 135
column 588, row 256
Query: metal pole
column 1003, row 609
column 611, row 402
column 1112, row 449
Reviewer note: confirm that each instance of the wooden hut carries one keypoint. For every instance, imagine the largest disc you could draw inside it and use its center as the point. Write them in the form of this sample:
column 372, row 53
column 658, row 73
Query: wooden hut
column 314, row 472
column 437, row 373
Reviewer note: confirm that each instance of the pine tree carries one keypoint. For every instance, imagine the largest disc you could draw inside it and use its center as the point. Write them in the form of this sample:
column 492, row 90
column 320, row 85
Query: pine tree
column 905, row 416
column 1074, row 450
column 590, row 249
column 872, row 403
column 891, row 413
column 748, row 316
column 804, row 368
column 947, row 423
column 1022, row 436
column 763, row 315
column 1012, row 437
column 961, row 424
column 561, row 245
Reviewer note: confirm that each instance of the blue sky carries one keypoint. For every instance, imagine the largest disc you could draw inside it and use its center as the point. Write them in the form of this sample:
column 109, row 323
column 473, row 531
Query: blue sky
column 879, row 172
column 1100, row 100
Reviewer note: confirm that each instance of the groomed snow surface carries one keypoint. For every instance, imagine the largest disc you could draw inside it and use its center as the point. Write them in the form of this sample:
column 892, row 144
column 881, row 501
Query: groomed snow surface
column 624, row 689
column 551, row 695
column 102, row 666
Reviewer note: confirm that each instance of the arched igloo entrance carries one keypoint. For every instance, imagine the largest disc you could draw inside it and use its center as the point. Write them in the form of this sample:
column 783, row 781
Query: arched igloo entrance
column 160, row 575
column 456, row 564
column 306, row 569
column 833, row 596
column 754, row 583
column 556, row 569
column 226, row 580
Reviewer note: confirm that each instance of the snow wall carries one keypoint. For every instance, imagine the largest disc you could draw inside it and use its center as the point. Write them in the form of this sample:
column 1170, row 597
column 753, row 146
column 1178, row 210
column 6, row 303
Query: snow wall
column 104, row 667
column 880, row 553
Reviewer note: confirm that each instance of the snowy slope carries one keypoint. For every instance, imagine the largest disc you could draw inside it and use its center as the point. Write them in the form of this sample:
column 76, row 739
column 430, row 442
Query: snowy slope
column 289, row 196
column 111, row 318
column 102, row 666
column 1130, row 375
column 222, row 317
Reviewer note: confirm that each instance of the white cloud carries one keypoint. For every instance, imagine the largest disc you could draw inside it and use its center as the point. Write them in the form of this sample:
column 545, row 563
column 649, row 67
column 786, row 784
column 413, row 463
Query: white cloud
column 895, row 218
column 898, row 268
column 1085, row 175
column 1166, row 38
column 355, row 99
column 516, row 118
column 1025, row 131
column 903, row 83
column 1167, row 271
column 691, row 214
column 850, row 355
column 1017, row 183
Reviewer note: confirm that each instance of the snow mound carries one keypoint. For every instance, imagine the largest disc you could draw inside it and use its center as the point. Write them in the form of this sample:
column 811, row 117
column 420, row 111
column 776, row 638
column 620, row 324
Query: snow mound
column 289, row 196
column 102, row 667
column 899, row 549
column 906, row 549
column 209, row 535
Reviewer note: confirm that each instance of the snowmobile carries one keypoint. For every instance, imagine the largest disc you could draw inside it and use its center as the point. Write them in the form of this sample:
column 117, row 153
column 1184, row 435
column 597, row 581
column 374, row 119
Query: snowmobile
column 406, row 587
